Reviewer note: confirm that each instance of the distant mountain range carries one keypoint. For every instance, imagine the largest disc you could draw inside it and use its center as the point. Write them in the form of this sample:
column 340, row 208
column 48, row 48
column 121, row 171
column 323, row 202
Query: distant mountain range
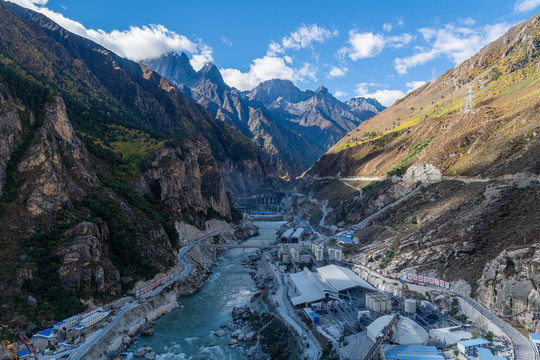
column 293, row 127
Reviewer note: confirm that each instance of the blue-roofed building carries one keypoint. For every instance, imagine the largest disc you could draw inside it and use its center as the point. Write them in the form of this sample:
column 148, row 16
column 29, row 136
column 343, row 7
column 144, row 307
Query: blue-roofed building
column 67, row 323
column 468, row 347
column 23, row 354
column 535, row 339
column 410, row 352
column 486, row 354
column 48, row 334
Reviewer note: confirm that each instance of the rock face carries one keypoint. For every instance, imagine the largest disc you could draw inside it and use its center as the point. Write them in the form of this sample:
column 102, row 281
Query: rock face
column 509, row 286
column 291, row 126
column 57, row 167
column 85, row 262
column 10, row 130
column 317, row 115
column 286, row 149
column 189, row 178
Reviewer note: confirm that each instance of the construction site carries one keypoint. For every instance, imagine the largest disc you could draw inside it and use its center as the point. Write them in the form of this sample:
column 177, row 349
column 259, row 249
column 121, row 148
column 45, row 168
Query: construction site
column 367, row 322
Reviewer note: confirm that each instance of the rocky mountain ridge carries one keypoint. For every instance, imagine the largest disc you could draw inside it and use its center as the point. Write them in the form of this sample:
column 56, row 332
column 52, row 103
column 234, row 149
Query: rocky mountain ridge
column 291, row 126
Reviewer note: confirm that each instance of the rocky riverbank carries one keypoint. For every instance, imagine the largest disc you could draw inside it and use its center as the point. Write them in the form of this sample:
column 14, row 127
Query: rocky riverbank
column 139, row 320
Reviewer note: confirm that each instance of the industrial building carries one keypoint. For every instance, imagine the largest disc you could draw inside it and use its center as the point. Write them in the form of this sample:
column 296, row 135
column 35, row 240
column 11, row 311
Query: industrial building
column 48, row 334
column 468, row 347
column 408, row 352
column 286, row 235
column 297, row 235
column 535, row 339
column 345, row 237
column 486, row 354
column 450, row 335
column 311, row 287
column 406, row 332
column 67, row 323
column 93, row 319
column 378, row 302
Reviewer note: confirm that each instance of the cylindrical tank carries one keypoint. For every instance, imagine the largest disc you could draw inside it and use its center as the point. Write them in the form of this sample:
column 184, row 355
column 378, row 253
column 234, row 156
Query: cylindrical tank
column 339, row 255
column 410, row 306
column 376, row 305
column 384, row 307
column 331, row 254
column 319, row 255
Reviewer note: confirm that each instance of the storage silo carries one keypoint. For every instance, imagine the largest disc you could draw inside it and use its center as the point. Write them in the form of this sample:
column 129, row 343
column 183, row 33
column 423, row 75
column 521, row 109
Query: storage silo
column 410, row 306
column 319, row 255
column 384, row 305
column 339, row 255
column 331, row 254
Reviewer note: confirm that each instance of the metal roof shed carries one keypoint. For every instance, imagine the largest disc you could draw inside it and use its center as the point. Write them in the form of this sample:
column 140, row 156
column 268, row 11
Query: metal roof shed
column 341, row 278
column 485, row 354
column 410, row 352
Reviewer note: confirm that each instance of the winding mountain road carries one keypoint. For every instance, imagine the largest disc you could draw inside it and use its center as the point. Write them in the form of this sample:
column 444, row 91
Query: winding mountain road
column 92, row 339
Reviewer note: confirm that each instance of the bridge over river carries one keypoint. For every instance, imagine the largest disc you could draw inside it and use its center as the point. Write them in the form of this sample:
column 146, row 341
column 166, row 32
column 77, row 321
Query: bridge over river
column 240, row 246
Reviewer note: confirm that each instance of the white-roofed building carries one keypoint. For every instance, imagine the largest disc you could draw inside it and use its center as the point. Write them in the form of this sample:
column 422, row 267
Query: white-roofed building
column 67, row 323
column 341, row 278
column 312, row 287
column 93, row 319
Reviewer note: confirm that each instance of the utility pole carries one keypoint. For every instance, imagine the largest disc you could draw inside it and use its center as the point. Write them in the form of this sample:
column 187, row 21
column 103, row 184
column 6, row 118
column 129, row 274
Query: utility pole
column 468, row 104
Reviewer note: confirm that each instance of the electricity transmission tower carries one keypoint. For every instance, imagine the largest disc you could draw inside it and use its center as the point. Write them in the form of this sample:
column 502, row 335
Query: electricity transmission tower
column 467, row 99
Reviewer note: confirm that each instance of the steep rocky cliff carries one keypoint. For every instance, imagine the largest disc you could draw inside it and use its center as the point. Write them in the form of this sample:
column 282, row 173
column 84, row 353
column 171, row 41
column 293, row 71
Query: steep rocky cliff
column 510, row 286
column 56, row 168
column 100, row 160
column 291, row 126
column 288, row 151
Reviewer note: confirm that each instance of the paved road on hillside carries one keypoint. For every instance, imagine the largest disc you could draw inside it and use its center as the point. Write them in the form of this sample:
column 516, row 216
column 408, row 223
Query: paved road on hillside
column 286, row 311
column 464, row 179
column 523, row 348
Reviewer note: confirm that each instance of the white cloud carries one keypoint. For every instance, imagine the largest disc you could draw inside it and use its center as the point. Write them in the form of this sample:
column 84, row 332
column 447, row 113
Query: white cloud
column 266, row 68
column 203, row 56
column 274, row 48
column 413, row 85
column 365, row 45
column 226, row 41
column 301, row 38
column 525, row 5
column 136, row 43
column 403, row 64
column 340, row 94
column 387, row 27
column 385, row 96
column 458, row 43
column 337, row 72
column 305, row 35
column 468, row 21
column 398, row 41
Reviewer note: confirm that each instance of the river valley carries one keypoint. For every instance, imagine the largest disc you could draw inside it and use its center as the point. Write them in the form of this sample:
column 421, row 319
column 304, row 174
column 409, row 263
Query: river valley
column 188, row 332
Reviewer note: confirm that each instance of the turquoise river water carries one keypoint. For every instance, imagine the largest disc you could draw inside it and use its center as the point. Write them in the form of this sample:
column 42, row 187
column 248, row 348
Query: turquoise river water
column 188, row 332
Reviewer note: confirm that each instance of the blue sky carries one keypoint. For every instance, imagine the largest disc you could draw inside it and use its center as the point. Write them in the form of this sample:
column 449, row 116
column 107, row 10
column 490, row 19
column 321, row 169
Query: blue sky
column 378, row 49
